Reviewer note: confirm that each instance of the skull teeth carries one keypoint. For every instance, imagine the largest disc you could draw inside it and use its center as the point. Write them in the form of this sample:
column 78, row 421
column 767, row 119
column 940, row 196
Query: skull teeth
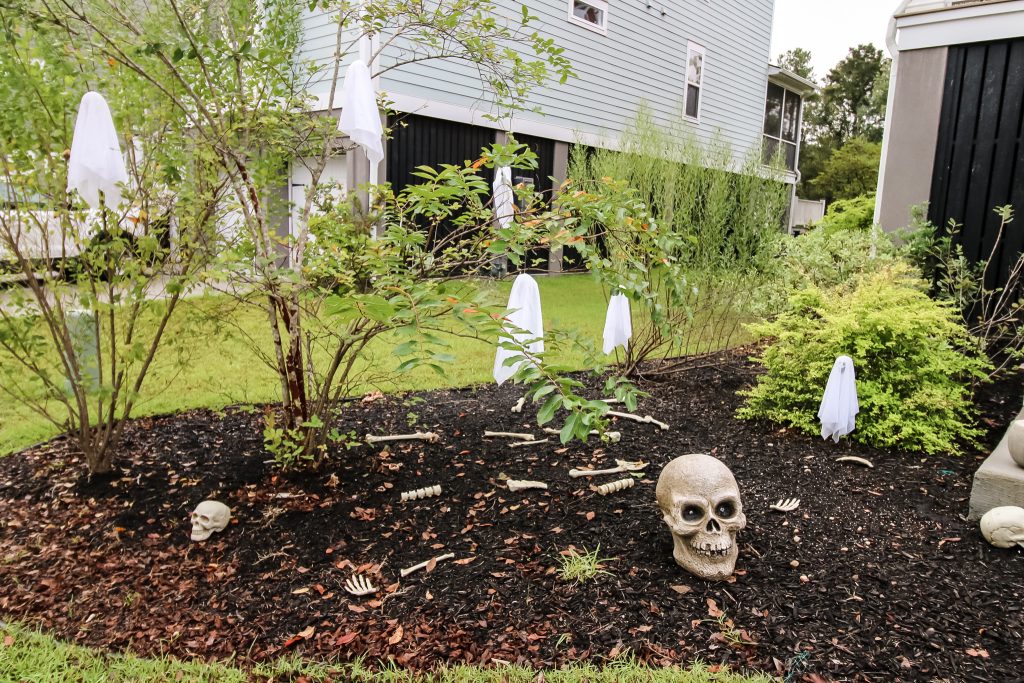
column 711, row 551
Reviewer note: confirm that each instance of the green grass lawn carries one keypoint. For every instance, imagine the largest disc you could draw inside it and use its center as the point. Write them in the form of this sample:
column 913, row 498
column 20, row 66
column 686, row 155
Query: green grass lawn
column 205, row 364
column 27, row 655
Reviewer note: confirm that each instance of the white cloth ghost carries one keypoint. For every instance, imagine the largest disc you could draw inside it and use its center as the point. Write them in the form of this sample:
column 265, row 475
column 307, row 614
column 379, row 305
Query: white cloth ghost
column 360, row 118
column 524, row 302
column 96, row 164
column 839, row 406
column 618, row 323
column 504, row 197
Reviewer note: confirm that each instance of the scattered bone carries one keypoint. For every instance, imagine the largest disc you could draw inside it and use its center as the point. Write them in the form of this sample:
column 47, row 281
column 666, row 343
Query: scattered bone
column 854, row 458
column 522, row 485
column 786, row 505
column 510, row 435
column 612, row 487
column 429, row 437
column 420, row 494
column 609, row 401
column 622, row 466
column 637, row 418
column 518, row 407
column 421, row 565
column 614, row 437
column 359, row 585
column 527, row 443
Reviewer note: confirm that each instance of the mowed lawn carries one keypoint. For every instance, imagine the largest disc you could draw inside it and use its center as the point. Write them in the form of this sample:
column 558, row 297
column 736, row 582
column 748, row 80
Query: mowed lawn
column 208, row 359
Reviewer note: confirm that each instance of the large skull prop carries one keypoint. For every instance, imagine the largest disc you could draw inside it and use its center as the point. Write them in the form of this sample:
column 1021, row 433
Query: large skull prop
column 700, row 501
column 1003, row 527
column 208, row 517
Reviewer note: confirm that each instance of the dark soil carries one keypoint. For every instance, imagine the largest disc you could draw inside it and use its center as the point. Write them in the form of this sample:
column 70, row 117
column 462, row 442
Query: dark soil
column 877, row 576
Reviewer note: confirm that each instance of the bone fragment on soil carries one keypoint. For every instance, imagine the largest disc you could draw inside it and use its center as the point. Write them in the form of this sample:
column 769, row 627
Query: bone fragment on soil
column 614, row 486
column 854, row 458
column 637, row 418
column 527, row 443
column 421, row 565
column 510, row 435
column 420, row 494
column 621, row 466
column 518, row 407
column 522, row 485
column 429, row 437
column 614, row 437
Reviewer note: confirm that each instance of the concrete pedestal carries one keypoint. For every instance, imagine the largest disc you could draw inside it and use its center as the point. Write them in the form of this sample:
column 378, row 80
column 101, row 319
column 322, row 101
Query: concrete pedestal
column 999, row 481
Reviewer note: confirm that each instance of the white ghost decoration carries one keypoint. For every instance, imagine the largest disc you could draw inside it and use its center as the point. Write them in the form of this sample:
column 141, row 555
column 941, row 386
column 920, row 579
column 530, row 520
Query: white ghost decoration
column 504, row 198
column 524, row 302
column 839, row 406
column 96, row 164
column 618, row 323
column 360, row 118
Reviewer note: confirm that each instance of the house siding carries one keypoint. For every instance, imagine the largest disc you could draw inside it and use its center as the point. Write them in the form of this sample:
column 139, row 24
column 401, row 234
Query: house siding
column 642, row 59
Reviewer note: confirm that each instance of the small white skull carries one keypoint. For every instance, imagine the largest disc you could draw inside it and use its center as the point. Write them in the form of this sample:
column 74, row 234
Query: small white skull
column 700, row 503
column 208, row 517
column 1003, row 527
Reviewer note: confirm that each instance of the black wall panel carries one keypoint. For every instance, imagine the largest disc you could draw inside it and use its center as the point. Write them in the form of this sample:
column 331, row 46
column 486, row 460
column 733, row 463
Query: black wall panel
column 979, row 162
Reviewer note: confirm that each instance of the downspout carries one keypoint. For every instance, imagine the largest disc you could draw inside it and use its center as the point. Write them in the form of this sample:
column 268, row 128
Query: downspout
column 890, row 43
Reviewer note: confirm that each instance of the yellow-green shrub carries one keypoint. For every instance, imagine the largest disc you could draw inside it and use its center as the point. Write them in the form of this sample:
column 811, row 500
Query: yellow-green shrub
column 914, row 361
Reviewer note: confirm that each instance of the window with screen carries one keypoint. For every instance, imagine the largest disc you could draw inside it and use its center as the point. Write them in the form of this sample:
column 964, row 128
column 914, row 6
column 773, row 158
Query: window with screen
column 694, row 80
column 781, row 125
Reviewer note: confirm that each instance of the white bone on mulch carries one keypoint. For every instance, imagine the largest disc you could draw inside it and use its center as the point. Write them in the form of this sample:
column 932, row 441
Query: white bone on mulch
column 786, row 505
column 519, row 444
column 646, row 419
column 429, row 437
column 359, row 585
column 522, row 485
column 420, row 494
column 416, row 567
column 859, row 461
column 622, row 466
column 614, row 437
column 522, row 436
column 615, row 486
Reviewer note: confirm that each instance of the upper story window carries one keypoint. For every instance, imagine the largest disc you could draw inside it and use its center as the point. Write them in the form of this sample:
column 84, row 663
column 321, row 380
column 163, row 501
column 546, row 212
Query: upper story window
column 590, row 13
column 694, row 80
column 781, row 125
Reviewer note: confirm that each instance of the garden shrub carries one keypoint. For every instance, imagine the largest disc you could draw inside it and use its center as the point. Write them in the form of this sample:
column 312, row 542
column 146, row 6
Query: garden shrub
column 827, row 259
column 849, row 214
column 914, row 361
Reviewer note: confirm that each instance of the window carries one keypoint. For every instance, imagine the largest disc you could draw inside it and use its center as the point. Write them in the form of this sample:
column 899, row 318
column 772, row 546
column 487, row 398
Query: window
column 590, row 13
column 694, row 80
column 781, row 125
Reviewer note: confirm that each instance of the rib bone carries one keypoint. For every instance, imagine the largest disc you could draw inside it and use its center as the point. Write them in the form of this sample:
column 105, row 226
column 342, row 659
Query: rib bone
column 421, row 565
column 359, row 585
column 623, row 466
column 429, row 437
column 786, row 505
column 522, row 485
column 614, row 486
column 854, row 458
column 510, row 435
column 637, row 418
column 420, row 494
column 614, row 437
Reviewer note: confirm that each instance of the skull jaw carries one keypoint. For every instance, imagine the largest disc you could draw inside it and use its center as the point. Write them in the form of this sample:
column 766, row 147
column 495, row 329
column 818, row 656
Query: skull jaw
column 201, row 534
column 714, row 566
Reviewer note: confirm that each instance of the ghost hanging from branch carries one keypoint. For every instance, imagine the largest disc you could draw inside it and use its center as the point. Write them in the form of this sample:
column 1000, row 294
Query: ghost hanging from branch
column 618, row 324
column 527, row 328
column 95, row 165
column 839, row 406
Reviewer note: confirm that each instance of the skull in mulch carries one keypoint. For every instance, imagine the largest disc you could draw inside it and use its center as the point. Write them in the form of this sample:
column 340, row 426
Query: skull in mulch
column 700, row 502
column 209, row 517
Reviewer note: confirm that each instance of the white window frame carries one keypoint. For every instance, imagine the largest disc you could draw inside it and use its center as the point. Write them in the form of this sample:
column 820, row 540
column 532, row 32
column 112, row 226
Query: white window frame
column 600, row 5
column 786, row 94
column 691, row 49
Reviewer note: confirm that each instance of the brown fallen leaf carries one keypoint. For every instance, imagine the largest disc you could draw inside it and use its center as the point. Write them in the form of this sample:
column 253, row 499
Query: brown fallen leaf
column 713, row 611
column 590, row 516
column 681, row 589
column 8, row 641
column 954, row 539
column 977, row 652
column 396, row 637
column 432, row 565
column 345, row 639
column 465, row 560
column 300, row 591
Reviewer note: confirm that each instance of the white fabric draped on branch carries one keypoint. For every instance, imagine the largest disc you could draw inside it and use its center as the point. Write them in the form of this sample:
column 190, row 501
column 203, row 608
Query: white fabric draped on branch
column 360, row 118
column 618, row 323
column 524, row 304
column 504, row 197
column 96, row 164
column 839, row 406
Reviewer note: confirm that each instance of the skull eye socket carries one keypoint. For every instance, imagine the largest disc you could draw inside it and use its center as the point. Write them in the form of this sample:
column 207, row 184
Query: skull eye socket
column 725, row 509
column 692, row 513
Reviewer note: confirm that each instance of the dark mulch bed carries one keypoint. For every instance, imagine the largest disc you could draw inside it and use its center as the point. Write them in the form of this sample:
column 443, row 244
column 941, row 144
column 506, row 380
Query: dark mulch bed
column 892, row 582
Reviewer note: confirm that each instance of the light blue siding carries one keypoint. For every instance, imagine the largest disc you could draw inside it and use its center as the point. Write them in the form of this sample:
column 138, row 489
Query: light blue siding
column 641, row 59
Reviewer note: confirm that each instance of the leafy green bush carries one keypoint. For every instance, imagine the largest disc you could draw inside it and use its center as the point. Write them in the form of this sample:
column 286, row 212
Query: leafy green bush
column 914, row 362
column 833, row 258
column 849, row 214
